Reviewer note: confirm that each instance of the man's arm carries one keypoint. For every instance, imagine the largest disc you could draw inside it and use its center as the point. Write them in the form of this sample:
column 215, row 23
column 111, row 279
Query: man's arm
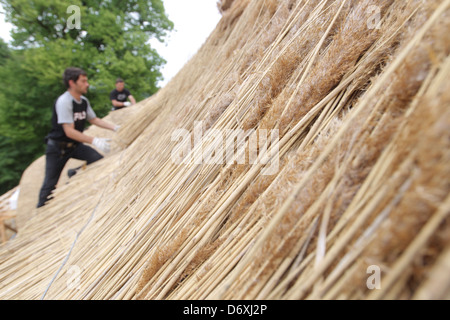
column 133, row 101
column 102, row 124
column 116, row 103
column 72, row 133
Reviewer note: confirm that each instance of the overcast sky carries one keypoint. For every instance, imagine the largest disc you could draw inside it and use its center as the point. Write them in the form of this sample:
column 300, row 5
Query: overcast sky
column 194, row 21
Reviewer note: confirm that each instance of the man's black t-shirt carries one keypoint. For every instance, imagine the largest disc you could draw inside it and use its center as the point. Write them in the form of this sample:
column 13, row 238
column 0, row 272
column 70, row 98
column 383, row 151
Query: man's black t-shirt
column 68, row 110
column 121, row 96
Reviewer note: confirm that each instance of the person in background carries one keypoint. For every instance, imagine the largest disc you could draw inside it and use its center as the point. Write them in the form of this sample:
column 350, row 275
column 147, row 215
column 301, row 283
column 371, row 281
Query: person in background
column 66, row 139
column 120, row 96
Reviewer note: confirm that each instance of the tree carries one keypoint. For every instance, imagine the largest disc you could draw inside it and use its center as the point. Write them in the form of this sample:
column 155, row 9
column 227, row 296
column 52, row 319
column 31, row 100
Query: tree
column 4, row 52
column 108, row 39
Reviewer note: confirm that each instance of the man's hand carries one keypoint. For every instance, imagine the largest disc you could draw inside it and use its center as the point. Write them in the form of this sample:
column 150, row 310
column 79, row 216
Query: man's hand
column 127, row 103
column 102, row 144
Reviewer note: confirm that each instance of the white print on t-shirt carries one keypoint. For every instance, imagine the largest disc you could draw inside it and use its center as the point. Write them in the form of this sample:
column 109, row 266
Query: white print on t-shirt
column 79, row 116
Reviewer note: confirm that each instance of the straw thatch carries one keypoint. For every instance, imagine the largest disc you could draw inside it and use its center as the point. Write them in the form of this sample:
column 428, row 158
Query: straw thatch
column 359, row 94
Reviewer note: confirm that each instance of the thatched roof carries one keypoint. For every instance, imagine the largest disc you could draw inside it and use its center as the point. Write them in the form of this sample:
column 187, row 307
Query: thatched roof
column 358, row 93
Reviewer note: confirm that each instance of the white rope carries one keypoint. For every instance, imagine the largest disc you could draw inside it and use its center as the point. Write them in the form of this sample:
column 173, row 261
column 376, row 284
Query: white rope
column 74, row 242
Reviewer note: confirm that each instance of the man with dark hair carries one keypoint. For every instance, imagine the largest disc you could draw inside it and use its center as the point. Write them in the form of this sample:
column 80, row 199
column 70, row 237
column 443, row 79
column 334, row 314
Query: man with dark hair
column 66, row 138
column 120, row 95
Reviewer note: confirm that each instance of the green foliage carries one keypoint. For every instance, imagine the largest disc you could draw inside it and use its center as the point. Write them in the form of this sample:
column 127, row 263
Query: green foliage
column 9, row 175
column 4, row 52
column 112, row 42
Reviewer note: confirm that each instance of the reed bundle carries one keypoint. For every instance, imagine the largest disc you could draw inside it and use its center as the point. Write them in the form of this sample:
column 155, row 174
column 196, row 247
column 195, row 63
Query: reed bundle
column 362, row 112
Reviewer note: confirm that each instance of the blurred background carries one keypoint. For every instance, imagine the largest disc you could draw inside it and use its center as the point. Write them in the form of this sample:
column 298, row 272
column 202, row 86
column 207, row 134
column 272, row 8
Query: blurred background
column 146, row 43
